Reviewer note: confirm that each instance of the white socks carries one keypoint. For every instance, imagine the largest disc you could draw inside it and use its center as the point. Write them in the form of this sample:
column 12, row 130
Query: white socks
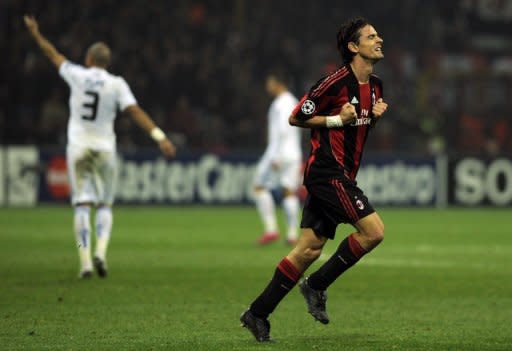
column 82, row 226
column 267, row 210
column 291, row 208
column 103, row 228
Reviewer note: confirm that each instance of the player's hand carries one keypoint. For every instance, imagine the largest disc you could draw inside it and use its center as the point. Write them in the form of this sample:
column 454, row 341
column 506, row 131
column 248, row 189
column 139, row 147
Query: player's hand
column 348, row 113
column 31, row 24
column 167, row 148
column 379, row 108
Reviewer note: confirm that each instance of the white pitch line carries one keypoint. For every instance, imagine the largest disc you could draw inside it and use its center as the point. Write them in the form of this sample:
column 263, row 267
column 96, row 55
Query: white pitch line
column 418, row 263
column 464, row 249
column 398, row 262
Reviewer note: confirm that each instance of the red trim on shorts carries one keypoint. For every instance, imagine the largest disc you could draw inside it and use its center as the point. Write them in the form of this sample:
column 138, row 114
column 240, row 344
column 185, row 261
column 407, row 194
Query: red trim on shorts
column 289, row 270
column 345, row 201
column 355, row 247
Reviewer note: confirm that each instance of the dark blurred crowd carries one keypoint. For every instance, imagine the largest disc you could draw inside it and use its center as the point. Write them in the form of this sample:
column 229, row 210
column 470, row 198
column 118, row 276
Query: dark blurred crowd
column 198, row 68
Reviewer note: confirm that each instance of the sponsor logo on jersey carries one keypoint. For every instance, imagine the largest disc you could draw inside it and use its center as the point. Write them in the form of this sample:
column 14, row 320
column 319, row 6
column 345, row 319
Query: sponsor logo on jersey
column 361, row 122
column 308, row 107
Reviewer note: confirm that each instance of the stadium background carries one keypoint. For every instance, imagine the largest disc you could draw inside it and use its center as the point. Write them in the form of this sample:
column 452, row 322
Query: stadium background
column 441, row 280
column 198, row 67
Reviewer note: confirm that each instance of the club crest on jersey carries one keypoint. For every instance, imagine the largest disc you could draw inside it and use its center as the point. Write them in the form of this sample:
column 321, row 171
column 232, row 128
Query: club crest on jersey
column 308, row 107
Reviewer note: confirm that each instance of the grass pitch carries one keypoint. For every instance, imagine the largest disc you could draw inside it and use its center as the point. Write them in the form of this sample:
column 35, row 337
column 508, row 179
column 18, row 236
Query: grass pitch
column 180, row 277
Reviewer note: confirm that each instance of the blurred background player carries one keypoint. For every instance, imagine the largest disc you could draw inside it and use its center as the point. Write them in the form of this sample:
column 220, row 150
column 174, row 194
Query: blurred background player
column 96, row 96
column 340, row 109
column 280, row 164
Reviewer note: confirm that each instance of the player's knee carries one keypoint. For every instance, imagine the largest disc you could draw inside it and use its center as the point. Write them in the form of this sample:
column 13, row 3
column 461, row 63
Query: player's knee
column 376, row 235
column 376, row 238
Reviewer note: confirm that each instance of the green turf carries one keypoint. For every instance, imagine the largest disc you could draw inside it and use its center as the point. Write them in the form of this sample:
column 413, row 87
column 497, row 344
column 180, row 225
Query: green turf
column 179, row 278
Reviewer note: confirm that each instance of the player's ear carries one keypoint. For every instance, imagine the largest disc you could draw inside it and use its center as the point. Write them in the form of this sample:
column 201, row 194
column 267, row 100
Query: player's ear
column 353, row 47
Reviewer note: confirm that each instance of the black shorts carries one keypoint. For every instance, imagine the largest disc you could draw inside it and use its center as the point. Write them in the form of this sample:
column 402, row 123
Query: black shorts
column 331, row 203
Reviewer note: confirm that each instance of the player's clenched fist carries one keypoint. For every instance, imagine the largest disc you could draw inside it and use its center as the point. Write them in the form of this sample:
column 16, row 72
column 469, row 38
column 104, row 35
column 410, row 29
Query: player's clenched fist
column 348, row 112
column 379, row 108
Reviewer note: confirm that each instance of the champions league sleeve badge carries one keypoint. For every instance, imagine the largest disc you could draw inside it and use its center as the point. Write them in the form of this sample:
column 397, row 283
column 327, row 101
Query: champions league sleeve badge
column 308, row 107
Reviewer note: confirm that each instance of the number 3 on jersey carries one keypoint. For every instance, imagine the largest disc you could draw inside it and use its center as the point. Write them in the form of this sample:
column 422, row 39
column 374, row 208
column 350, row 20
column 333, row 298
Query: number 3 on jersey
column 91, row 106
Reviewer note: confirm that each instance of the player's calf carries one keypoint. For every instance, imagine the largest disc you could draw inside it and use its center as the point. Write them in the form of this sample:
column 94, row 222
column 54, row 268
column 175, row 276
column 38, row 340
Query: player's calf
column 308, row 249
column 370, row 231
column 82, row 229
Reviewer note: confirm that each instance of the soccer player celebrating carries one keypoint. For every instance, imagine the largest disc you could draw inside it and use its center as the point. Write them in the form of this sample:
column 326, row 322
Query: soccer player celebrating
column 340, row 109
column 91, row 151
column 280, row 164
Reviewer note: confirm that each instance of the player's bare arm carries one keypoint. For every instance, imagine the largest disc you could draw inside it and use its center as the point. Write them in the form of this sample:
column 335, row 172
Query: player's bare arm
column 44, row 44
column 347, row 115
column 145, row 122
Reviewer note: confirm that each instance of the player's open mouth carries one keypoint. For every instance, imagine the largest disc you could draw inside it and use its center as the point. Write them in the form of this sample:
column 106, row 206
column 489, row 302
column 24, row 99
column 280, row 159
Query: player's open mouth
column 378, row 49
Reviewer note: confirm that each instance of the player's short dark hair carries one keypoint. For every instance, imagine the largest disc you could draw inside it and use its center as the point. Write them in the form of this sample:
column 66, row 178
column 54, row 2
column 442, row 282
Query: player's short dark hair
column 100, row 53
column 350, row 32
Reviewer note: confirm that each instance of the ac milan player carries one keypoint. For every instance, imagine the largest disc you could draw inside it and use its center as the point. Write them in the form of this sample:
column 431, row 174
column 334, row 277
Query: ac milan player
column 340, row 109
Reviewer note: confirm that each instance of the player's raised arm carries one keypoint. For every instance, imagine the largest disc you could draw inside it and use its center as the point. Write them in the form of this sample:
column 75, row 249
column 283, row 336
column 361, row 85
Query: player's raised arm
column 44, row 44
column 347, row 115
column 145, row 122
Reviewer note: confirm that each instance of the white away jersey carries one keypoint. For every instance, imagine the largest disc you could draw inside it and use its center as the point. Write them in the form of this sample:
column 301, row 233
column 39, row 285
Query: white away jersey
column 283, row 139
column 95, row 97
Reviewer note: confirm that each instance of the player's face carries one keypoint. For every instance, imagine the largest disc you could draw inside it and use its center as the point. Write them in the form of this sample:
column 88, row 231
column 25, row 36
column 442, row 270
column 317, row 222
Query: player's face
column 370, row 44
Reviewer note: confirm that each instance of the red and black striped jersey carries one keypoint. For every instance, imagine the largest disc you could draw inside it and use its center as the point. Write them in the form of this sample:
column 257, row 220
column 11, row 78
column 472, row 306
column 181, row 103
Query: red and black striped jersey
column 337, row 152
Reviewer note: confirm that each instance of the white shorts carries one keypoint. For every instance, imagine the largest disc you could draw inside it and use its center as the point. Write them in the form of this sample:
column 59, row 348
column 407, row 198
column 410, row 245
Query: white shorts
column 92, row 174
column 288, row 175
